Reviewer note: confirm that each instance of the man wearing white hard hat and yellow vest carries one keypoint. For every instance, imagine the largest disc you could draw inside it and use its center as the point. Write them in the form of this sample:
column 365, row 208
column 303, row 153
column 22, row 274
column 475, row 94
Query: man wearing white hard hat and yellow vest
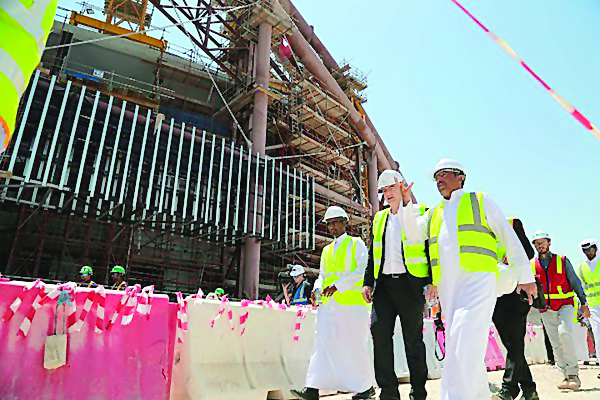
column 464, row 231
column 24, row 28
column 396, row 275
column 341, row 357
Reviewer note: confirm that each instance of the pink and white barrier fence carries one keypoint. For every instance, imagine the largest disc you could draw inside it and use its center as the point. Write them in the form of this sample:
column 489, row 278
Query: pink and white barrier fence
column 137, row 345
column 131, row 361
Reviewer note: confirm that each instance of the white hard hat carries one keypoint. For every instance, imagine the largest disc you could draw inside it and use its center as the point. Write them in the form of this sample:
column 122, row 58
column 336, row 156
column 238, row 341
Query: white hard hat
column 446, row 163
column 335, row 212
column 296, row 270
column 540, row 235
column 588, row 243
column 388, row 178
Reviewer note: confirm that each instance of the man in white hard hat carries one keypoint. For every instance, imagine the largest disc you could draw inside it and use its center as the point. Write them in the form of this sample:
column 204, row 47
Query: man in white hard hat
column 464, row 231
column 561, row 284
column 589, row 273
column 341, row 357
column 396, row 275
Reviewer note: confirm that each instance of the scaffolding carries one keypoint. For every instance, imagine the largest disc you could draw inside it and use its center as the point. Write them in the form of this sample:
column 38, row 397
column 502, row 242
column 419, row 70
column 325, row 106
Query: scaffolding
column 157, row 170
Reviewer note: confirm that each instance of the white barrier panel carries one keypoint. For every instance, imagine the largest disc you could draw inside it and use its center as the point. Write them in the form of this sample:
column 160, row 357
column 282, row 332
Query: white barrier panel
column 218, row 363
column 221, row 363
column 535, row 348
column 581, row 345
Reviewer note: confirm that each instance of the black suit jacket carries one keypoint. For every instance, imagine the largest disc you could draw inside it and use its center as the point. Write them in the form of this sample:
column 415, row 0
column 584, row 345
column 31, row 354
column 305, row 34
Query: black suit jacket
column 416, row 283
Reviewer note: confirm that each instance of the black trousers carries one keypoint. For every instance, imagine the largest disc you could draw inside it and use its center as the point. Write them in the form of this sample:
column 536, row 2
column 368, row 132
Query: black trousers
column 394, row 297
column 510, row 319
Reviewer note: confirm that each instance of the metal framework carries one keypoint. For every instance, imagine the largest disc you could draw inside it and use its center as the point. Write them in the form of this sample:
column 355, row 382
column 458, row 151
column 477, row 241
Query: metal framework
column 112, row 173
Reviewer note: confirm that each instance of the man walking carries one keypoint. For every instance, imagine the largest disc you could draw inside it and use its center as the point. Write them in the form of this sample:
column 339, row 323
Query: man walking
column 560, row 284
column 463, row 233
column 589, row 273
column 510, row 320
column 341, row 359
column 394, row 280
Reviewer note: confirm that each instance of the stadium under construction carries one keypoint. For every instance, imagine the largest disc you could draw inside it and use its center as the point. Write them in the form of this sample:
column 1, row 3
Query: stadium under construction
column 209, row 167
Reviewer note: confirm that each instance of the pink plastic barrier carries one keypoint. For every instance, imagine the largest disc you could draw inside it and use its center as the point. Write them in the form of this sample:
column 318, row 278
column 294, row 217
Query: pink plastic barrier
column 127, row 362
column 494, row 358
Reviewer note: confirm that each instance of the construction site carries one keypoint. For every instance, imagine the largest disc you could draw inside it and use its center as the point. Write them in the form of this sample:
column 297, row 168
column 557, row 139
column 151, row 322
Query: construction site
column 204, row 167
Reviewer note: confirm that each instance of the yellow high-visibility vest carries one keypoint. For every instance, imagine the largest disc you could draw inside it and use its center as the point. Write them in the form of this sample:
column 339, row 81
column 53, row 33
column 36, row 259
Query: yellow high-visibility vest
column 591, row 283
column 24, row 29
column 501, row 251
column 476, row 241
column 415, row 258
column 338, row 264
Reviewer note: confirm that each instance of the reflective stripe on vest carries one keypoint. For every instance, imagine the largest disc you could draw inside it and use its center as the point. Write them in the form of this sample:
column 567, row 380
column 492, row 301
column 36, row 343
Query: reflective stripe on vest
column 414, row 255
column 501, row 251
column 339, row 263
column 378, row 228
column 559, row 271
column 591, row 283
column 477, row 243
column 27, row 23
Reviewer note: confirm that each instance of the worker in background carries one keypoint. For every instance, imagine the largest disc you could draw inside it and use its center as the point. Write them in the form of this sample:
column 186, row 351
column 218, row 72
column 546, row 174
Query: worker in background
column 560, row 284
column 463, row 233
column 341, row 357
column 24, row 29
column 118, row 276
column 86, row 273
column 216, row 295
column 589, row 274
column 510, row 320
column 396, row 274
column 303, row 287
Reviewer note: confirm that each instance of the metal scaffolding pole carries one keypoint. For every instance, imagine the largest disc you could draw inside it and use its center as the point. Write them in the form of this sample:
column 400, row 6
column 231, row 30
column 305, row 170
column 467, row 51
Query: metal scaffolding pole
column 250, row 273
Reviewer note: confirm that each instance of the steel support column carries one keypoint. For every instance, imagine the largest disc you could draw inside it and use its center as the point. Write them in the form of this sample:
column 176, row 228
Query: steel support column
column 16, row 242
column 250, row 272
column 373, row 175
column 40, row 250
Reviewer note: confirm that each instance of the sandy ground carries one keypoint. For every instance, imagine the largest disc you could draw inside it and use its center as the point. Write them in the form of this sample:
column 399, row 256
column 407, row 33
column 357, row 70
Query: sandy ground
column 545, row 376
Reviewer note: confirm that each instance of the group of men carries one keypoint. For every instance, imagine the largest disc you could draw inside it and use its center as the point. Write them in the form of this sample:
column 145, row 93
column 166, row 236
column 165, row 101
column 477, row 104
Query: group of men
column 86, row 274
column 466, row 255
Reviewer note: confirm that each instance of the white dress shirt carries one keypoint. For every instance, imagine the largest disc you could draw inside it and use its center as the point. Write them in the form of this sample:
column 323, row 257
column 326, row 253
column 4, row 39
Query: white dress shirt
column 416, row 229
column 593, row 263
column 348, row 280
column 394, row 259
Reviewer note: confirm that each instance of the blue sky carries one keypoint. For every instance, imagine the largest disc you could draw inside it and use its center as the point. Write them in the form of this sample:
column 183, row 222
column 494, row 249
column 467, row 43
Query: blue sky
column 439, row 87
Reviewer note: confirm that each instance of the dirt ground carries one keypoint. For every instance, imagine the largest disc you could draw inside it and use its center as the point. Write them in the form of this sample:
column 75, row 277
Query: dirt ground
column 545, row 376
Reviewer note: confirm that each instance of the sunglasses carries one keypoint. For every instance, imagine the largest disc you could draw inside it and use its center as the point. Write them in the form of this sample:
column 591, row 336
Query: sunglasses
column 588, row 249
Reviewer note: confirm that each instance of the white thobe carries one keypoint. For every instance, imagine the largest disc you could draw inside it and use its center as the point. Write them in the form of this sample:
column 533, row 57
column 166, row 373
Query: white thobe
column 341, row 357
column 467, row 298
column 594, row 311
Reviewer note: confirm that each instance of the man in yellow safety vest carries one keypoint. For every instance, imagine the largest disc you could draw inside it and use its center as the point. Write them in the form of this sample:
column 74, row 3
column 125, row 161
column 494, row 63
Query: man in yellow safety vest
column 396, row 275
column 589, row 274
column 341, row 358
column 24, row 29
column 464, row 231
